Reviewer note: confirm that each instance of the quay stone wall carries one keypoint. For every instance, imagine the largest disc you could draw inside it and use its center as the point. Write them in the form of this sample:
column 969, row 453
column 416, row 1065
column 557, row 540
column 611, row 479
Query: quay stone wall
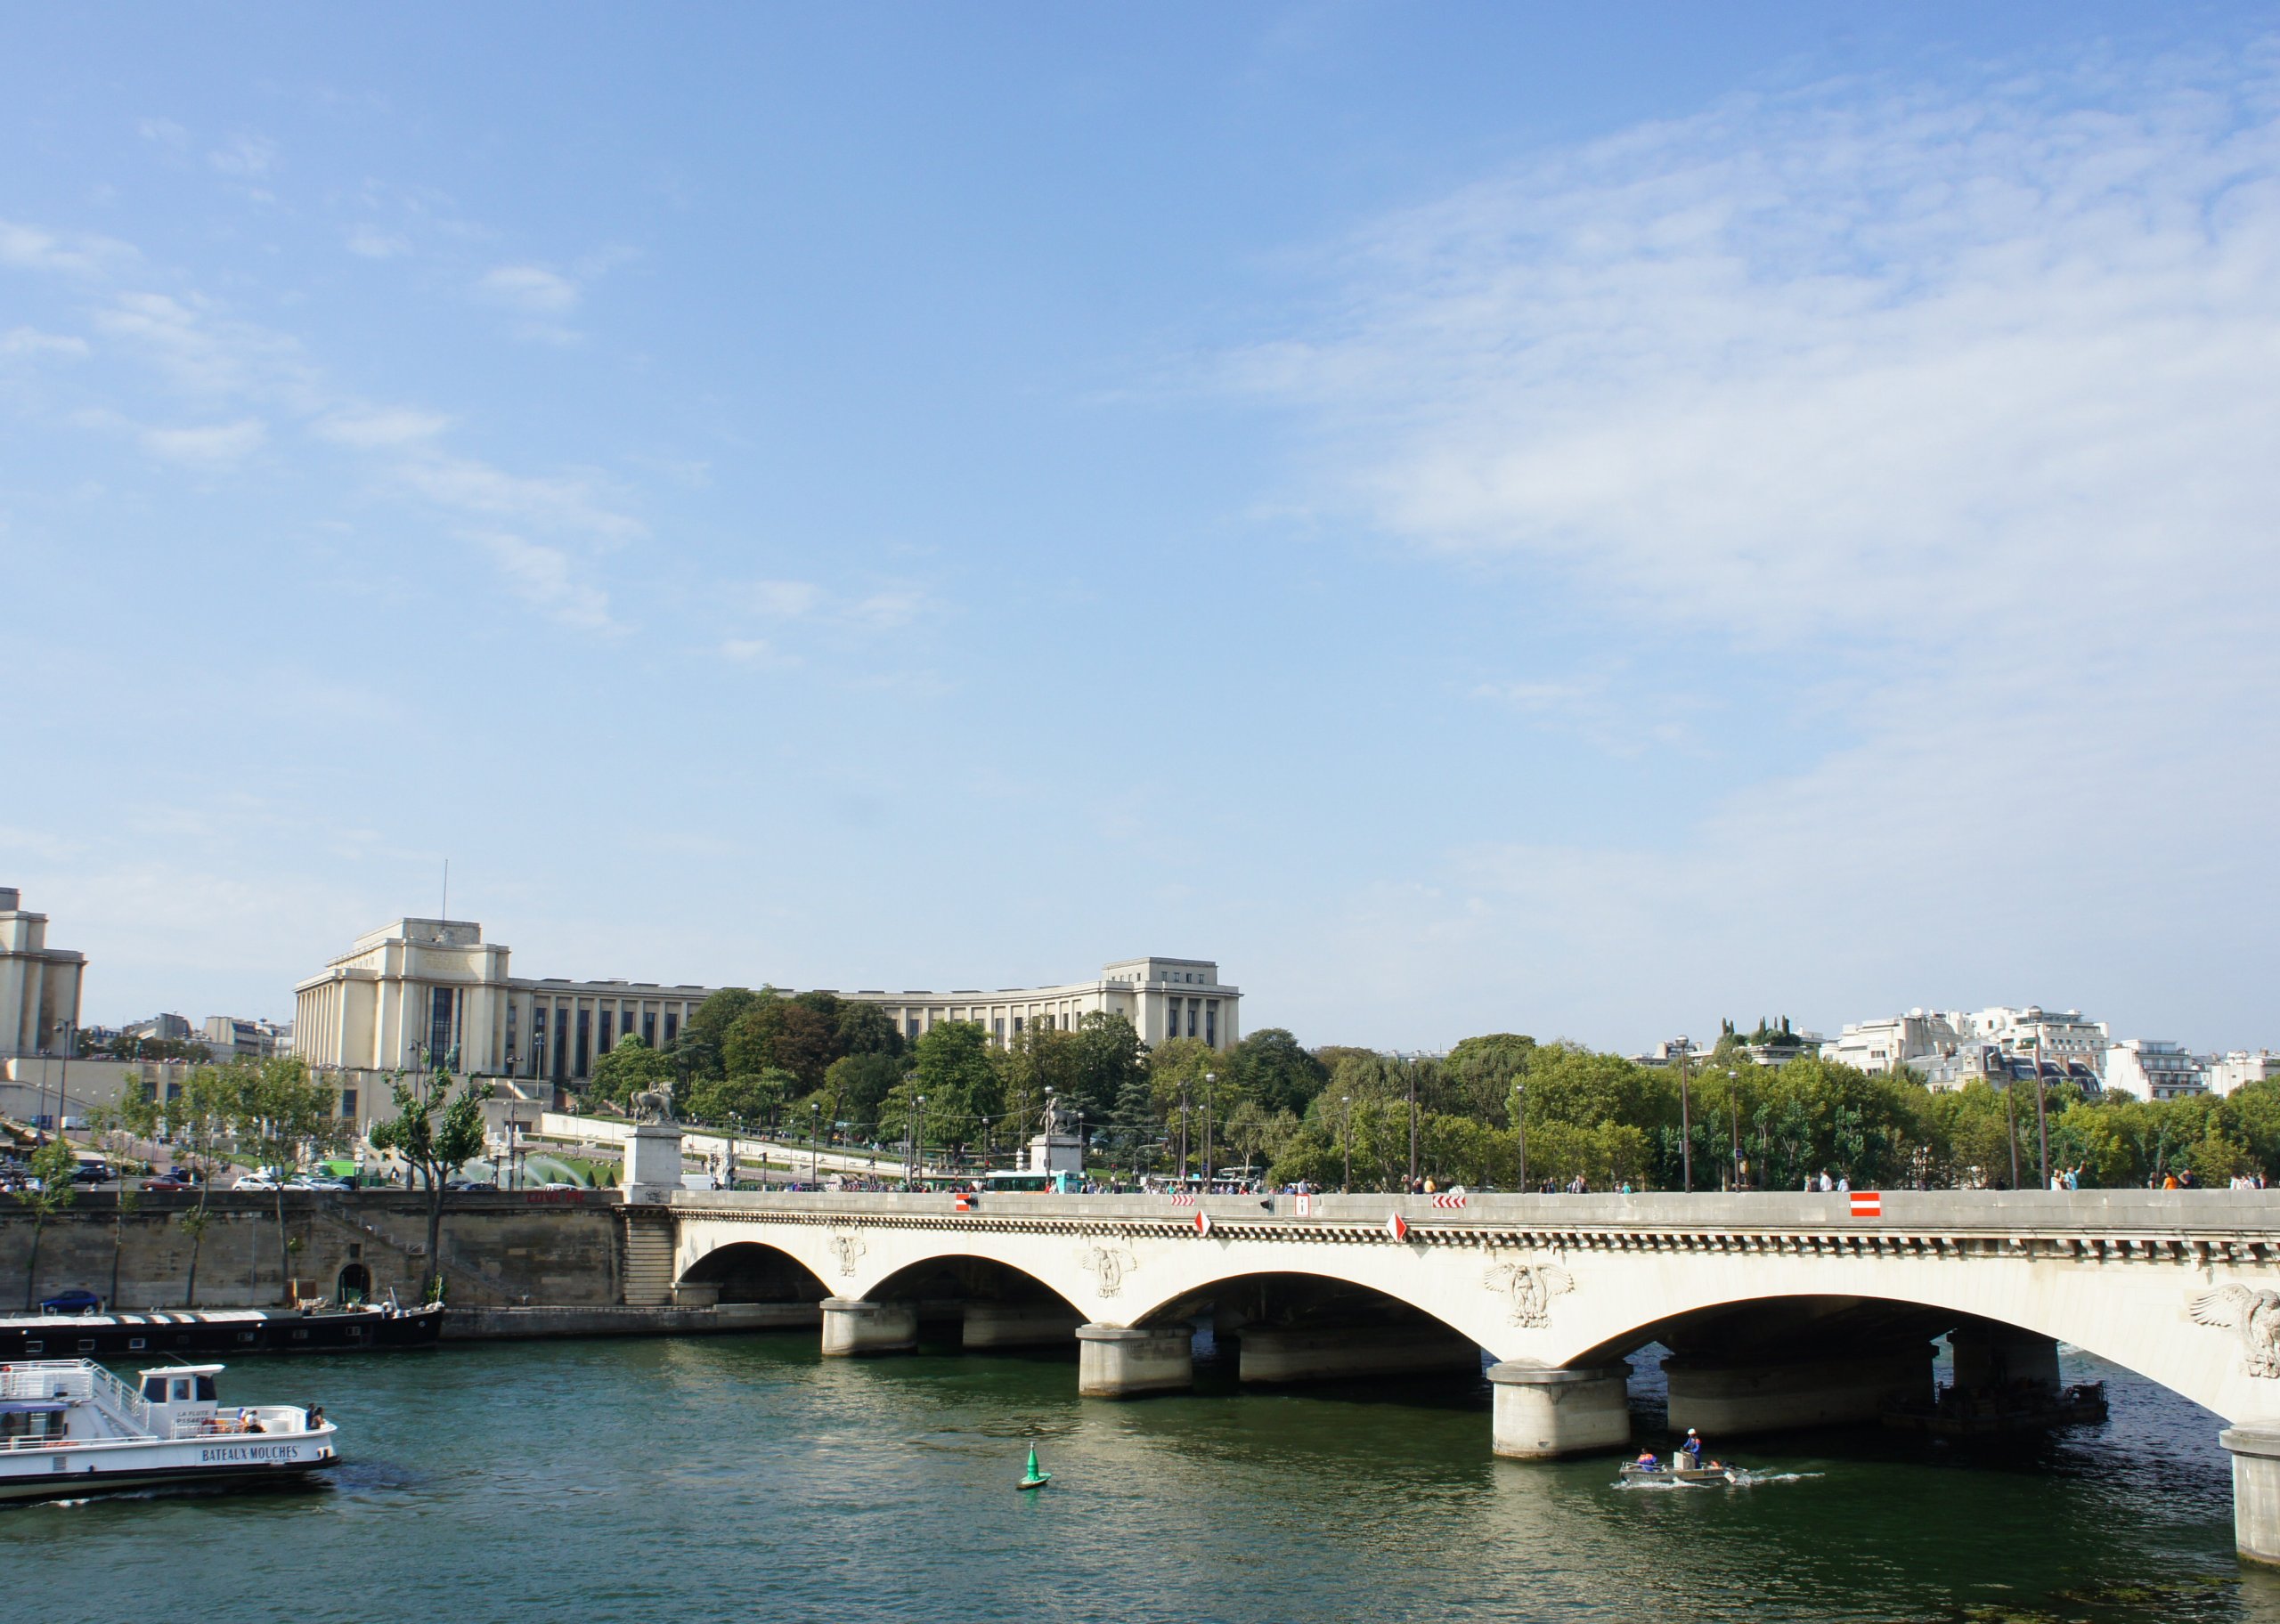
column 499, row 1250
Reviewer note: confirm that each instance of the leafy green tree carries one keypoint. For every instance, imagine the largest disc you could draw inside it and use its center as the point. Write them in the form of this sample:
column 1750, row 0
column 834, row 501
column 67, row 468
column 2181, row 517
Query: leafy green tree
column 757, row 1101
column 283, row 1113
column 434, row 1130
column 1484, row 1072
column 865, row 1029
column 951, row 1067
column 701, row 1047
column 195, row 1118
column 1106, row 1055
column 854, row 1084
column 781, row 1034
column 49, row 1191
column 631, row 1067
column 1271, row 1071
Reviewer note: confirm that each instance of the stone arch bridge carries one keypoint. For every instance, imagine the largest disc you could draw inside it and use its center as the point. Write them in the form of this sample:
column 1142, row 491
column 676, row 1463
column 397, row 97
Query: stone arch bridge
column 1778, row 1311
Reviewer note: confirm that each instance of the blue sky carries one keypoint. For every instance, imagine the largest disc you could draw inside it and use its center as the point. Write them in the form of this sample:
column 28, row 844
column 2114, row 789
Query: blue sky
column 1494, row 517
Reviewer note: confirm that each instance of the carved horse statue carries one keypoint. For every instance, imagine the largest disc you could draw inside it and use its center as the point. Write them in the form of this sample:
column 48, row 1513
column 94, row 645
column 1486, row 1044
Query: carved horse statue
column 654, row 1104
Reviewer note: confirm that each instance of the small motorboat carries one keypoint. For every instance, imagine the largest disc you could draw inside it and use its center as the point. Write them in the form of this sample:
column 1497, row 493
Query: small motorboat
column 1033, row 1478
column 68, row 1429
column 1668, row 1471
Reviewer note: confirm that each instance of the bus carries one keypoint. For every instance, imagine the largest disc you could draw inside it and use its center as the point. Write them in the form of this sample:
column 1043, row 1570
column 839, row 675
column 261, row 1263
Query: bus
column 1057, row 1183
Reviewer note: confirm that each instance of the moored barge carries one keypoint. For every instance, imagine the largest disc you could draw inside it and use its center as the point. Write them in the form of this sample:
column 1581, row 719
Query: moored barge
column 235, row 1331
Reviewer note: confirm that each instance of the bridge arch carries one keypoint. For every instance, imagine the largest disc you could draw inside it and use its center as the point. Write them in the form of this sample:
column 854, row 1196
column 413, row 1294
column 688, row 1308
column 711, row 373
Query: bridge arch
column 755, row 1272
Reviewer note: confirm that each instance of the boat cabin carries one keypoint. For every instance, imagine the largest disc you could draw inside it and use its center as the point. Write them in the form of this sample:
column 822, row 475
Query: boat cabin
column 181, row 1398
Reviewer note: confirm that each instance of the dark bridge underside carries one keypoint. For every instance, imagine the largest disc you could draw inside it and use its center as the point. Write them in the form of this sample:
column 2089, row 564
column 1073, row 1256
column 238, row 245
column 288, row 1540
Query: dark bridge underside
column 941, row 1283
column 1792, row 1330
column 1293, row 1303
column 750, row 1272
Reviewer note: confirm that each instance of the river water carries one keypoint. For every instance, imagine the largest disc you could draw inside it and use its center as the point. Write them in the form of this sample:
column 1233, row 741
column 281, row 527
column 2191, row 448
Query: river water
column 699, row 1479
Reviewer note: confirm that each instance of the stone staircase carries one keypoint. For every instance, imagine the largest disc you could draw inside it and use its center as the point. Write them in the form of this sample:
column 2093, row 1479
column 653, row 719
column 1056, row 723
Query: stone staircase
column 648, row 1281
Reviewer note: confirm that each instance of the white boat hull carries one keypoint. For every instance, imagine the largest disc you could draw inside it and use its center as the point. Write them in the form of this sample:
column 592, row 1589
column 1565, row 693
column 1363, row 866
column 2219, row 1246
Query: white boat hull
column 73, row 1473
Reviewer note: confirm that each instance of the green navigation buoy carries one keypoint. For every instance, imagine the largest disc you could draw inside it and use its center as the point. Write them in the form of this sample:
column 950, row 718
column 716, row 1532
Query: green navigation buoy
column 1035, row 1478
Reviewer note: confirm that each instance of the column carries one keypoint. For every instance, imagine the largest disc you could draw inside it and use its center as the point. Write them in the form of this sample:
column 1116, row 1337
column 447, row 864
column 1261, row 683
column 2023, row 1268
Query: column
column 1266, row 1355
column 852, row 1327
column 2255, row 1450
column 1018, row 1325
column 1115, row 1362
column 1542, row 1411
column 1727, row 1400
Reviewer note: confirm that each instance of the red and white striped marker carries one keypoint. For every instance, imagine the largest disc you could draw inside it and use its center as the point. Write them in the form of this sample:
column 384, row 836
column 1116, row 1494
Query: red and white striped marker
column 1397, row 1226
column 1304, row 1203
column 1181, row 1198
column 1203, row 1223
column 965, row 1201
column 1867, row 1203
column 1448, row 1200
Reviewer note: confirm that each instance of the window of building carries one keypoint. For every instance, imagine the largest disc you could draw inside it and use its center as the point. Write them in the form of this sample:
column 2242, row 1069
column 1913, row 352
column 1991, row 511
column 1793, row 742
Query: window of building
column 439, row 1024
column 650, row 1027
column 1211, row 1023
column 998, row 1029
column 348, row 1103
column 1017, row 1026
column 585, row 1041
column 672, row 1028
column 914, row 1026
column 561, row 1041
column 607, row 1016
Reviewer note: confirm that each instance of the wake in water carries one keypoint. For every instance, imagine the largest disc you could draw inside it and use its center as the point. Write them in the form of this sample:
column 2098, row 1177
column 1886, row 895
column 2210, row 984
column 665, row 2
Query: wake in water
column 1741, row 1480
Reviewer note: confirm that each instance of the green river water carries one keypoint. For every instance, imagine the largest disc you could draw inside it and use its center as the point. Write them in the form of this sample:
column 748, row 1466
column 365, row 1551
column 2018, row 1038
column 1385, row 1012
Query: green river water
column 732, row 1476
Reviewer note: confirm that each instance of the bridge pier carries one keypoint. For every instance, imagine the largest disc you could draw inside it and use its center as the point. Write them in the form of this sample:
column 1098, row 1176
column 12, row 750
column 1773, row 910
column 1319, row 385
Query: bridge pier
column 1542, row 1411
column 1989, row 1355
column 1731, row 1401
column 1266, row 1355
column 1114, row 1361
column 1017, row 1325
column 851, row 1326
column 2255, row 1450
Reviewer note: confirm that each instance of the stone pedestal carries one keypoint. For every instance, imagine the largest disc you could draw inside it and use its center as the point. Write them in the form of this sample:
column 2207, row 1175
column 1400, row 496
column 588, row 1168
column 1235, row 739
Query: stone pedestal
column 1989, row 1355
column 1018, row 1325
column 1731, row 1400
column 1115, row 1363
column 652, row 1160
column 852, row 1327
column 1057, row 1152
column 1544, row 1411
column 2255, row 1450
column 1265, row 1355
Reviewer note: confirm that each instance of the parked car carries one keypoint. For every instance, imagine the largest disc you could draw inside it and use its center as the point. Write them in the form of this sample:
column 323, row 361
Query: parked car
column 316, row 1181
column 77, row 1301
column 469, row 1187
column 255, row 1180
column 558, row 1184
column 92, row 1173
column 167, row 1182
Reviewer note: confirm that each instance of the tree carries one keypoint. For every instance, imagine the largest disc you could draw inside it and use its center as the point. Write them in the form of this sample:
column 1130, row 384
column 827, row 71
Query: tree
column 950, row 1066
column 865, row 1029
column 195, row 1119
column 49, row 1191
column 1484, row 1070
column 854, row 1084
column 753, row 1100
column 628, row 1067
column 701, row 1045
column 282, row 1113
column 434, row 1130
column 781, row 1034
column 1105, row 1054
column 1274, row 1072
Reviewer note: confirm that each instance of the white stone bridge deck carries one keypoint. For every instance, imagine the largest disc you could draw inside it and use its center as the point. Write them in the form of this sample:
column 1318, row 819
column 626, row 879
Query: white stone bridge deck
column 1780, row 1310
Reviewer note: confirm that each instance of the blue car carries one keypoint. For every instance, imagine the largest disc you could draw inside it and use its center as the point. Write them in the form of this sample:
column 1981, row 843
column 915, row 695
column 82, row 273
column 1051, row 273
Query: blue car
column 75, row 1301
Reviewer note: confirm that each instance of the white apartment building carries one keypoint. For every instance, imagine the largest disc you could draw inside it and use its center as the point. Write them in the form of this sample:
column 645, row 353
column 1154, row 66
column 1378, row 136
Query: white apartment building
column 2152, row 1070
column 39, row 985
column 2224, row 1072
column 1922, row 1038
column 234, row 1039
column 419, row 990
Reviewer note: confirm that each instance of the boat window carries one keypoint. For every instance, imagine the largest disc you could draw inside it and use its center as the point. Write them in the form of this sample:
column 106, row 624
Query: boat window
column 154, row 1389
column 134, row 1344
column 182, row 1389
column 206, row 1388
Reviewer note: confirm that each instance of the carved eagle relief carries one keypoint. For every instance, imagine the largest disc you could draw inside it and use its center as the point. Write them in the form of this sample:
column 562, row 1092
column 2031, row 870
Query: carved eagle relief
column 2256, row 1315
column 1530, row 1287
column 1108, row 1266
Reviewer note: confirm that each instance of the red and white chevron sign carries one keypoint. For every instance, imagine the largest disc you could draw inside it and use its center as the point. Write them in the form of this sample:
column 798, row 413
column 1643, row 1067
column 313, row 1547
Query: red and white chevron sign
column 1181, row 1198
column 1448, row 1200
column 1867, row 1203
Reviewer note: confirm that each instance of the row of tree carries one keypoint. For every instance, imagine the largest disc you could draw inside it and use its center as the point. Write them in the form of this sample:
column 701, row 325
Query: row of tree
column 1499, row 1110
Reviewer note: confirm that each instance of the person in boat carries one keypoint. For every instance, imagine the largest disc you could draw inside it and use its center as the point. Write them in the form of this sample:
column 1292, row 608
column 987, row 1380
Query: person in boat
column 1647, row 1461
column 1691, row 1448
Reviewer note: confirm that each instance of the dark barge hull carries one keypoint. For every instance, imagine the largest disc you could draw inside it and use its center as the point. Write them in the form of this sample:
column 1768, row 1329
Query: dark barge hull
column 228, row 1331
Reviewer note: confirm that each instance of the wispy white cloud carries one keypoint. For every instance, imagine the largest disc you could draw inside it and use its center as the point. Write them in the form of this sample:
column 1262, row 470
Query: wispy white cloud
column 29, row 248
column 31, row 341
column 370, row 241
column 208, row 445
column 204, row 352
column 780, row 599
column 546, row 579
column 163, row 132
column 247, row 158
column 755, row 652
column 1960, row 392
column 380, row 428
column 481, row 490
column 531, row 289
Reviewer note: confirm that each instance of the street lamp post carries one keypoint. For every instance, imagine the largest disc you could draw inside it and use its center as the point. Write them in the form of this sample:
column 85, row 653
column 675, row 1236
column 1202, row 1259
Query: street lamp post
column 1182, row 1131
column 1346, row 1138
column 814, row 1150
column 736, row 1124
column 1685, row 1127
column 1412, row 1126
column 1734, row 1099
column 1209, row 1077
column 1520, row 1126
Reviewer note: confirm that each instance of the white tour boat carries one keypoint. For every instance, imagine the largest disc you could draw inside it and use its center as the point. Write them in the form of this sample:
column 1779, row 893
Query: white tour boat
column 69, row 1428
